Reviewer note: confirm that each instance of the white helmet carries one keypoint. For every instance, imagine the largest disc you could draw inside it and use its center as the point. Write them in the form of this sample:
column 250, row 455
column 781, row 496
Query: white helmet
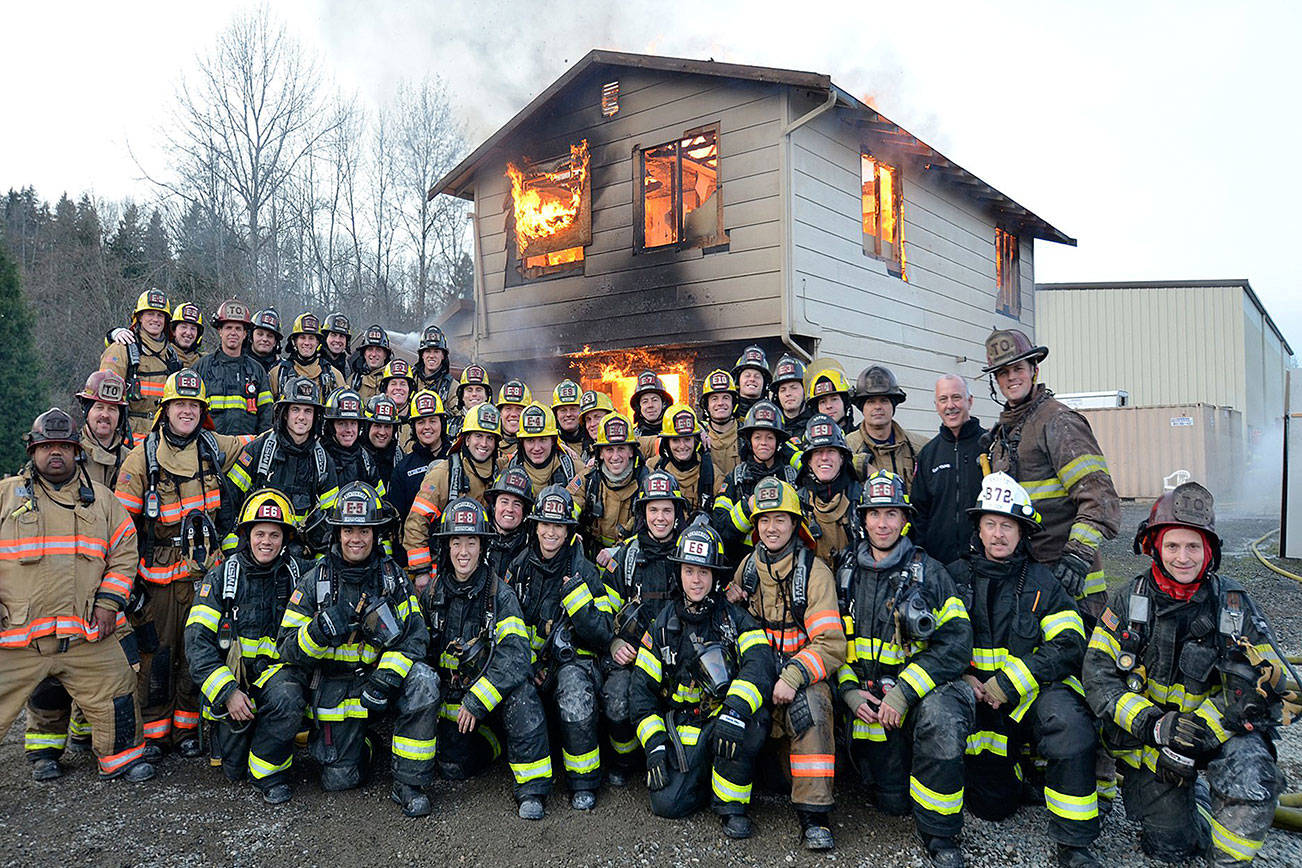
column 1003, row 495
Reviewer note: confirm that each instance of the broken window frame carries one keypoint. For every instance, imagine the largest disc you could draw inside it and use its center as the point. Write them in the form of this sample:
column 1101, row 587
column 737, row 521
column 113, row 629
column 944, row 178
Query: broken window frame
column 719, row 237
column 1008, row 274
column 889, row 252
column 517, row 271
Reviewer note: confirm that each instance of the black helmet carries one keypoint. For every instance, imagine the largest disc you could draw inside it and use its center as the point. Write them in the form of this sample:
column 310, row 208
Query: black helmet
column 753, row 357
column 762, row 416
column 345, row 404
column 700, row 544
column 821, row 431
column 298, row 390
column 52, row 426
column 513, row 481
column 433, row 339
column 337, row 323
column 789, row 369
column 358, row 505
column 464, row 516
column 658, row 485
column 877, row 380
column 555, row 505
column 884, row 489
column 268, row 318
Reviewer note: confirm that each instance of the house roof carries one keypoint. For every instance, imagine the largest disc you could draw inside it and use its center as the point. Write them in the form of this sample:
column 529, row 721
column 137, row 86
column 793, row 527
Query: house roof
column 456, row 182
column 1235, row 282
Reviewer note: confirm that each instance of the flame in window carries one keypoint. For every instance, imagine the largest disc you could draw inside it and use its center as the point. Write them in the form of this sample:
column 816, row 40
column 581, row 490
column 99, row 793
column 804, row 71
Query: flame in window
column 548, row 202
column 615, row 372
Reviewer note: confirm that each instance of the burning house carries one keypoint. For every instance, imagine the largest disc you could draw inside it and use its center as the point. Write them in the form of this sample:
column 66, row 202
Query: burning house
column 656, row 212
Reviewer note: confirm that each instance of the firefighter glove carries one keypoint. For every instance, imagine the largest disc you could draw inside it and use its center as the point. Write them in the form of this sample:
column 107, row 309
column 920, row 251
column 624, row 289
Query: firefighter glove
column 657, row 768
column 1184, row 732
column 377, row 690
column 1175, row 768
column 335, row 623
column 1070, row 572
column 729, row 731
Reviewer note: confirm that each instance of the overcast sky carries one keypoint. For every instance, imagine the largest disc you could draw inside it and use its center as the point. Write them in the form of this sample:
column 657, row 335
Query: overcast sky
column 1161, row 135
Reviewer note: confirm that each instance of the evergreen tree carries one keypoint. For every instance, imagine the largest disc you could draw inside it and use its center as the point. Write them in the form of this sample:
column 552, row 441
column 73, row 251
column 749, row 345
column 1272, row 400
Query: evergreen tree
column 21, row 392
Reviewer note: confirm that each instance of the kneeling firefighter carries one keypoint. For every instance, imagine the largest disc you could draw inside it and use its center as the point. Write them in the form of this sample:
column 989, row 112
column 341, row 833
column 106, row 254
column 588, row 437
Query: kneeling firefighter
column 698, row 688
column 256, row 703
column 479, row 643
column 355, row 630
column 1186, row 676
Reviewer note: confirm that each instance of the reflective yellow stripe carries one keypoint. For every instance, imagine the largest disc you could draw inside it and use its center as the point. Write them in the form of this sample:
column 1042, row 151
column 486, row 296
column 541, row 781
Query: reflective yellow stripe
column 1020, row 675
column 486, row 693
column 1211, row 715
column 260, row 768
column 1044, row 489
column 986, row 741
column 953, row 608
column 418, row 749
column 577, row 599
column 262, row 646
column 869, row 649
column 727, row 791
column 867, row 731
column 750, row 639
column 241, row 479
column 582, row 764
column 941, row 803
column 205, row 615
column 532, row 771
column 1077, row 808
column 1095, row 583
column 689, row 734
column 344, row 710
column 44, row 741
column 1078, row 468
column 649, row 663
column 747, row 692
column 216, row 682
column 649, row 726
column 294, row 619
column 1085, row 535
column 917, row 678
column 1052, row 625
column 686, row 693
column 1175, row 695
column 1235, row 846
column 1102, row 640
column 395, row 661
column 1129, row 707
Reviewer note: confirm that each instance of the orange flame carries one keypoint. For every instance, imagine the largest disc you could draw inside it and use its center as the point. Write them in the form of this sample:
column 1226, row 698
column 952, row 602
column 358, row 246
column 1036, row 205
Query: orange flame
column 546, row 203
column 615, row 372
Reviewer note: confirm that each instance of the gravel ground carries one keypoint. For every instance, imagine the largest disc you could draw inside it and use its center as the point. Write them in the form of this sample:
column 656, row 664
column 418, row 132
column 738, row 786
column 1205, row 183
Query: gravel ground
column 189, row 815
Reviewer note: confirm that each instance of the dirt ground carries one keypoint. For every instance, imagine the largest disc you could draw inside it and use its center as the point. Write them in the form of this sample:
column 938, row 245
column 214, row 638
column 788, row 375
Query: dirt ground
column 189, row 815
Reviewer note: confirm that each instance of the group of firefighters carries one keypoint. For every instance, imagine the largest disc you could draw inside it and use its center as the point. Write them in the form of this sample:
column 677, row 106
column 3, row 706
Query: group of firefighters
column 270, row 549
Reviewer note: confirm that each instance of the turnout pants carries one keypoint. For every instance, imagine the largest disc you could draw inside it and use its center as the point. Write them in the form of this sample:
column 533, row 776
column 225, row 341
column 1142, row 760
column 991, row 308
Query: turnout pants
column 528, row 751
column 922, row 761
column 730, row 779
column 98, row 678
column 53, row 720
column 1179, row 822
column 1058, row 726
column 264, row 749
column 339, row 740
column 168, row 697
column 614, row 707
column 573, row 701
column 808, row 758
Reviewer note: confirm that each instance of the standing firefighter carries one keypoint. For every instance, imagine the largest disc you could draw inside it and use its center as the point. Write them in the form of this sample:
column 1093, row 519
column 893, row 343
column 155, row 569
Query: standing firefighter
column 239, row 395
column 763, row 450
column 63, row 585
column 1028, row 643
column 697, row 695
column 143, row 359
column 432, row 364
column 788, row 392
column 612, row 483
column 171, row 484
column 185, row 331
column 367, row 363
column 264, row 343
column 751, row 374
column 354, row 630
column 792, row 594
column 105, row 437
column 480, row 645
column 879, row 442
column 256, row 703
column 303, row 358
column 828, row 486
column 1186, row 676
column 684, row 456
column 909, row 642
column 429, row 444
column 648, row 403
column 1049, row 448
column 718, row 404
column 567, row 399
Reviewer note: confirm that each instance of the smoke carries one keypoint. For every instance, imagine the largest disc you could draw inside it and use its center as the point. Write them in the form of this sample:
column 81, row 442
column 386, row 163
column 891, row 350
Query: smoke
column 1259, row 491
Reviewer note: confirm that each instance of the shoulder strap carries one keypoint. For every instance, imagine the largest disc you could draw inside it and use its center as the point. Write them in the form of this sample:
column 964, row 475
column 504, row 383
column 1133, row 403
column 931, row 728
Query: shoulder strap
column 456, row 477
column 230, row 581
column 567, row 465
column 268, row 455
column 631, row 552
column 208, row 442
column 325, row 584
column 318, row 452
column 800, row 584
column 750, row 576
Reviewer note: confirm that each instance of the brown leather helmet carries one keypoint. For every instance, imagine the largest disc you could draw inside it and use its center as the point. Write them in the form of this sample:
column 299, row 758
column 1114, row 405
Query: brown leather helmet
column 1008, row 346
column 52, row 426
column 877, row 380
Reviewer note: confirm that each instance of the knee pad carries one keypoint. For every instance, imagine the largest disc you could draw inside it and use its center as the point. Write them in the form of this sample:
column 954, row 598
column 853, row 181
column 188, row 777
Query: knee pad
column 940, row 727
column 160, row 678
column 524, row 711
column 1244, row 771
column 575, row 698
column 124, row 722
column 50, row 696
column 614, row 695
column 421, row 689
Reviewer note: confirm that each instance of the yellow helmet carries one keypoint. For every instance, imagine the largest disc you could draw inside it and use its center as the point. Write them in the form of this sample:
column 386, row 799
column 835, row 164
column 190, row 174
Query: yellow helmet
column 680, row 421
column 773, row 495
column 151, row 299
column 567, row 394
column 537, row 420
column 514, row 392
column 425, row 404
column 184, row 385
column 593, row 401
column 266, row 505
column 397, row 369
column 828, row 381
column 475, row 375
column 306, row 324
column 482, row 418
column 188, row 311
column 615, row 430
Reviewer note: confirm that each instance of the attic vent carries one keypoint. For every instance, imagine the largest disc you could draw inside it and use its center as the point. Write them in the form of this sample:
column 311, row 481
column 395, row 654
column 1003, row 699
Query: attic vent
column 610, row 99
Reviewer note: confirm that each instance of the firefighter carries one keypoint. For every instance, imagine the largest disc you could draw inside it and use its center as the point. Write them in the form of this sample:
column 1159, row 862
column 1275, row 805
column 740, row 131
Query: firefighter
column 239, row 394
column 429, row 443
column 829, row 488
column 751, row 374
column 762, row 432
column 143, row 358
column 468, row 471
column 368, row 360
column 480, row 645
column 909, row 643
column 255, row 702
column 432, row 371
column 336, row 335
column 542, row 456
column 1049, row 448
column 1028, row 644
column 640, row 582
column 788, row 391
column 1184, row 673
column 510, row 499
column 554, row 582
column 185, row 332
column 62, row 603
column 171, row 485
column 472, row 390
column 289, row 458
column 593, row 407
column 684, row 456
column 698, row 691
column 612, row 483
column 566, row 399
column 264, row 341
column 382, row 420
column 355, row 632
column 303, row 359
column 879, row 442
column 948, row 474
column 105, row 439
column 648, row 402
column 829, row 394
column 341, row 435
column 718, row 404
column 512, row 398
column 397, row 383
column 792, row 595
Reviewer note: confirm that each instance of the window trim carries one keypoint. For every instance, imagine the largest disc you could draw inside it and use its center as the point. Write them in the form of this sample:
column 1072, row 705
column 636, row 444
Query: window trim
column 719, row 239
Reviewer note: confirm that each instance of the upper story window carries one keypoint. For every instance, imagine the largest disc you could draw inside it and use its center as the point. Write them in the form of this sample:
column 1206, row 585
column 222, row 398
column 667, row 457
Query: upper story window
column 681, row 202
column 1008, row 274
column 551, row 213
column 883, row 225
